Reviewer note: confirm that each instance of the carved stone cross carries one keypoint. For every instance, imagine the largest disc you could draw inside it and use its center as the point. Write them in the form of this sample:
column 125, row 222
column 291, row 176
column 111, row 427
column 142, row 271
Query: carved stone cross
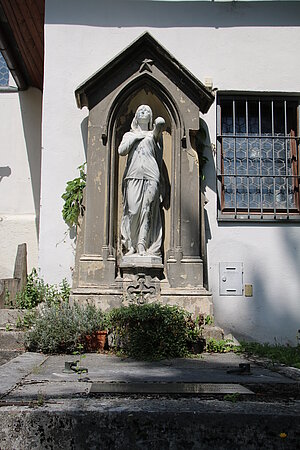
column 141, row 288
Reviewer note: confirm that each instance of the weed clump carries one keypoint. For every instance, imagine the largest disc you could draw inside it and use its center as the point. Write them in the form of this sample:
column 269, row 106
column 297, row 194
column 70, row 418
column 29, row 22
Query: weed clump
column 37, row 291
column 283, row 354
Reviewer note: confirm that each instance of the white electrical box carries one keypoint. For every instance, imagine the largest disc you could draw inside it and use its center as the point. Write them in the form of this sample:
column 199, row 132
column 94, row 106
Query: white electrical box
column 231, row 278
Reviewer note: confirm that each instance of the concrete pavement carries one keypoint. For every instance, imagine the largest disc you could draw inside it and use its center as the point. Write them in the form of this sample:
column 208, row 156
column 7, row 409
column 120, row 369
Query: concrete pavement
column 38, row 399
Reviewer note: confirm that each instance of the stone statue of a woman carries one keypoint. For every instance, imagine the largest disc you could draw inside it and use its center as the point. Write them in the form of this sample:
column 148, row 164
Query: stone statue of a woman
column 143, row 184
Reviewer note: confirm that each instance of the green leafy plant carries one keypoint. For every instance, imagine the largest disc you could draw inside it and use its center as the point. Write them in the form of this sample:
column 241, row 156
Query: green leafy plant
column 79, row 352
column 37, row 291
column 194, row 339
column 64, row 290
column 60, row 328
column 8, row 301
column 208, row 320
column 218, row 346
column 27, row 321
column 233, row 398
column 150, row 331
column 40, row 399
column 73, row 197
column 283, row 354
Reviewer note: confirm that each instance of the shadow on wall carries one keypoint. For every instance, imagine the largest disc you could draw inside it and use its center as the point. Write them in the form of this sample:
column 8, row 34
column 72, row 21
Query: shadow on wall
column 273, row 313
column 274, row 317
column 5, row 172
column 165, row 14
column 84, row 134
column 209, row 181
column 203, row 146
column 31, row 111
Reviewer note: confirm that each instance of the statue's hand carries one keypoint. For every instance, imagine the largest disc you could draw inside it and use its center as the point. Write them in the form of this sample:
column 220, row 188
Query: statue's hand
column 159, row 122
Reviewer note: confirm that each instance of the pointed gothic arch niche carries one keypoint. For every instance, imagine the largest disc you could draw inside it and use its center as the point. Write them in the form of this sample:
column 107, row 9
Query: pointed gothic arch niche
column 143, row 90
column 144, row 73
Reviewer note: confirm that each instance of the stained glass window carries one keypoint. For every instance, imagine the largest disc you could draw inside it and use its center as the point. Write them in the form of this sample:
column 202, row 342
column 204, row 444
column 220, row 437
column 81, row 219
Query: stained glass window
column 4, row 72
column 258, row 157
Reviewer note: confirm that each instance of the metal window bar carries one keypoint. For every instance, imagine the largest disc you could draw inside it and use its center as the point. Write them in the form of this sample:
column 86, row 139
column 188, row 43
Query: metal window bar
column 234, row 159
column 298, row 153
column 288, row 178
column 247, row 159
column 258, row 137
column 260, row 161
column 273, row 158
column 286, row 159
column 256, row 176
column 219, row 156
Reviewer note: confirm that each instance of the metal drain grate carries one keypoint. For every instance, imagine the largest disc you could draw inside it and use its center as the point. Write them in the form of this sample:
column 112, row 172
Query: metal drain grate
column 167, row 388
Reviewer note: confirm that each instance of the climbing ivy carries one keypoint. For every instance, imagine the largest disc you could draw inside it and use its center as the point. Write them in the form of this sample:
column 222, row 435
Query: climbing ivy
column 73, row 197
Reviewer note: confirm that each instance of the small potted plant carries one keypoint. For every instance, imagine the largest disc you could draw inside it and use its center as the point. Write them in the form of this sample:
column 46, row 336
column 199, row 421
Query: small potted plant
column 96, row 341
column 95, row 336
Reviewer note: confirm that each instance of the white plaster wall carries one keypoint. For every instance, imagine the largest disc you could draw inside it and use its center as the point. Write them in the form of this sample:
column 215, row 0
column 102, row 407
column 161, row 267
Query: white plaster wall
column 241, row 46
column 20, row 131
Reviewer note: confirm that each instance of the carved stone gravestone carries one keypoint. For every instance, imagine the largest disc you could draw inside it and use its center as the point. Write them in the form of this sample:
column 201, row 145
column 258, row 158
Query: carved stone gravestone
column 142, row 235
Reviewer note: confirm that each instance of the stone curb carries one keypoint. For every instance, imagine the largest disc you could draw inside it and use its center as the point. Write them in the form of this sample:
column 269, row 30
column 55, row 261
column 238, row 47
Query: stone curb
column 290, row 372
column 12, row 340
column 149, row 424
column 15, row 370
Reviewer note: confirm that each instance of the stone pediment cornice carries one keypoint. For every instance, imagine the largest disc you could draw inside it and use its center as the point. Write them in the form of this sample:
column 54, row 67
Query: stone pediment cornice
column 142, row 55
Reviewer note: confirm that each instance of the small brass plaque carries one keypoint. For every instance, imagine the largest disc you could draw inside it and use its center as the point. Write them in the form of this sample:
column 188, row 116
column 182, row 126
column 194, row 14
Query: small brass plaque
column 248, row 290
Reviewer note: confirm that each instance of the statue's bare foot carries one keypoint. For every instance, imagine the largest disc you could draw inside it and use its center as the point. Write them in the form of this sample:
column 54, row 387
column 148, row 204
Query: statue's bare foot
column 141, row 250
column 131, row 251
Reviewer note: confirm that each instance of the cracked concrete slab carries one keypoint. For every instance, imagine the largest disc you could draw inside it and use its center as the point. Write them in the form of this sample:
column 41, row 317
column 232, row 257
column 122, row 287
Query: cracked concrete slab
column 18, row 368
column 44, row 376
column 210, row 368
column 43, row 407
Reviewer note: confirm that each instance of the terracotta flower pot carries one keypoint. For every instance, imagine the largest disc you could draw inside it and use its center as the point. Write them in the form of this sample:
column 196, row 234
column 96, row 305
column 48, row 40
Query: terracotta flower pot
column 96, row 341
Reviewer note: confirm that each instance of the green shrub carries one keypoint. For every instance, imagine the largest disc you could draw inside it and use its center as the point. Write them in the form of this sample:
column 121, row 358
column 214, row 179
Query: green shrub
column 60, row 328
column 151, row 331
column 37, row 291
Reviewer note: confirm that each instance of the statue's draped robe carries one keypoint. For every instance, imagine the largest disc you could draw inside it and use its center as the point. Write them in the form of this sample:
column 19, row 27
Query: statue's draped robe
column 141, row 188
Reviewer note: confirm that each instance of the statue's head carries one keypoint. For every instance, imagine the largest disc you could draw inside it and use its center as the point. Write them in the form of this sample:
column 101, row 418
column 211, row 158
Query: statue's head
column 143, row 114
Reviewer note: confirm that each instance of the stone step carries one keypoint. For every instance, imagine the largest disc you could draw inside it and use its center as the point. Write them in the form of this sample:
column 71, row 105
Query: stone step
column 10, row 317
column 12, row 340
column 212, row 332
column 8, row 355
column 148, row 424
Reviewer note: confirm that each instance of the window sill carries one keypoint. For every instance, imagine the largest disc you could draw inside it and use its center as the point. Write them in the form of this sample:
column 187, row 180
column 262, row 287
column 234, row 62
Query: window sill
column 265, row 218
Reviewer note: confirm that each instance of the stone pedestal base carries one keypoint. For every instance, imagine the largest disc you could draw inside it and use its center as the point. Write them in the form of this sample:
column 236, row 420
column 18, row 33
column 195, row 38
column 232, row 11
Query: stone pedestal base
column 142, row 281
column 142, row 289
column 137, row 260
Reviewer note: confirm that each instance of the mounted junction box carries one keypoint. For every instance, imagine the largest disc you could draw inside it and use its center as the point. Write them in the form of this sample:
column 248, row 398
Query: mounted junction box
column 231, row 278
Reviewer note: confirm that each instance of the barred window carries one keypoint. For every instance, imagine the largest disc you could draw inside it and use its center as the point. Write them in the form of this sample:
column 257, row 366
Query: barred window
column 258, row 157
